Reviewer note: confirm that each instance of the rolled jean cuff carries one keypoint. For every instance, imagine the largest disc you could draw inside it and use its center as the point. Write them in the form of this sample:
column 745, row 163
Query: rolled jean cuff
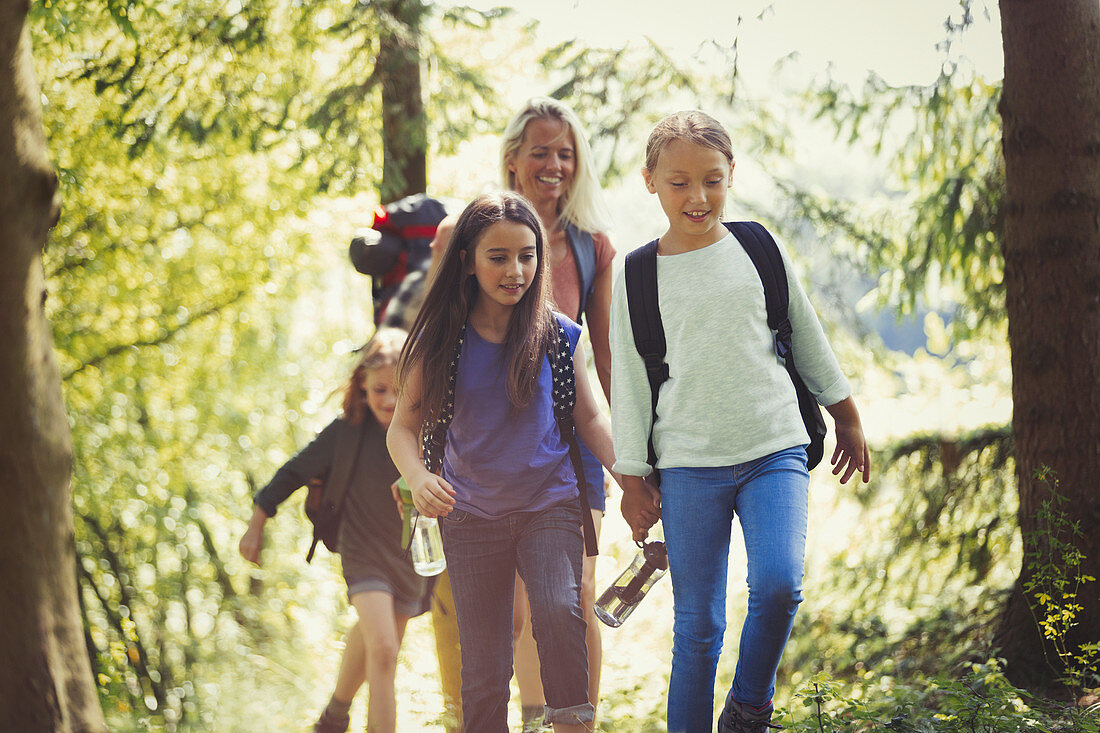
column 577, row 714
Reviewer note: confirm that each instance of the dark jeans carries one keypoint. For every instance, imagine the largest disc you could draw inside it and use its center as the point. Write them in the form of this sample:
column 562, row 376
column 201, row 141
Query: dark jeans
column 483, row 556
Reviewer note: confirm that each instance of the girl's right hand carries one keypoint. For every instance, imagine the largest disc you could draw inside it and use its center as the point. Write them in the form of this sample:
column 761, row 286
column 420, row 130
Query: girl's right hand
column 432, row 496
column 251, row 544
column 640, row 505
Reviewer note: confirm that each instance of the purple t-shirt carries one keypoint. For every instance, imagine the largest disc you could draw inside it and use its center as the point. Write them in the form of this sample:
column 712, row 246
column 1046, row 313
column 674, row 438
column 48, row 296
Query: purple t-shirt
column 500, row 462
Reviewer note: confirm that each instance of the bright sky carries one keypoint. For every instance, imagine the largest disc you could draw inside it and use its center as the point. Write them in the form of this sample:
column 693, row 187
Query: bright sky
column 895, row 38
column 900, row 40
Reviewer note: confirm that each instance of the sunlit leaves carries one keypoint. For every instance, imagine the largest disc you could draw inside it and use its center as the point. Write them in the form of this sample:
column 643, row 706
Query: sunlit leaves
column 176, row 257
column 915, row 589
column 934, row 236
column 1052, row 584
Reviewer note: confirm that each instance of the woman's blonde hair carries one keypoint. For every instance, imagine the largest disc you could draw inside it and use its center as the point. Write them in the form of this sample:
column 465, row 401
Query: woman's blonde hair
column 383, row 349
column 583, row 204
column 691, row 126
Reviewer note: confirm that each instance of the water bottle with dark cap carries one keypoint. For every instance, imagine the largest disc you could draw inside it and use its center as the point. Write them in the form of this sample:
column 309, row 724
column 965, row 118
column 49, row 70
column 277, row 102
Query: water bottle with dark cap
column 623, row 596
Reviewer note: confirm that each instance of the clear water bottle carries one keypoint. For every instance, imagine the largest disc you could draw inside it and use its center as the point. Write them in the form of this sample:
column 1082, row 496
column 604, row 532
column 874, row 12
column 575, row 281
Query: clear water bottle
column 426, row 544
column 623, row 596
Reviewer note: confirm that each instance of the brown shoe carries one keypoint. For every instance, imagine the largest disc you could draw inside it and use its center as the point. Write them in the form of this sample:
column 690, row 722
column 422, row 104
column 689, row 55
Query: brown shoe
column 736, row 718
column 331, row 723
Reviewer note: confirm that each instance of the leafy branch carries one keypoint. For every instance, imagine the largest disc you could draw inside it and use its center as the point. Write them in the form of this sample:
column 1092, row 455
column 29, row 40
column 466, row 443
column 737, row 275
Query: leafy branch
column 167, row 332
column 1052, row 584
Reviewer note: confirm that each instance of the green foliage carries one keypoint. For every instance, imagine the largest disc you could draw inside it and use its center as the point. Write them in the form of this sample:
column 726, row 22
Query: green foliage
column 295, row 82
column 1052, row 582
column 878, row 653
column 933, row 232
column 917, row 588
column 620, row 93
column 978, row 699
column 171, row 274
column 462, row 100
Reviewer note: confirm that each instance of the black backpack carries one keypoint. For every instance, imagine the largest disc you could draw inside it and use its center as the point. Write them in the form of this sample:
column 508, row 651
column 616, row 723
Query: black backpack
column 649, row 332
column 399, row 244
column 434, row 434
column 325, row 497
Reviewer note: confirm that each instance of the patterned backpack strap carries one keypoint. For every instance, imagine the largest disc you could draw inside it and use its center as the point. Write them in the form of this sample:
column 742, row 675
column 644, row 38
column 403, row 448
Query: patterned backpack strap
column 433, row 435
column 565, row 384
column 564, row 392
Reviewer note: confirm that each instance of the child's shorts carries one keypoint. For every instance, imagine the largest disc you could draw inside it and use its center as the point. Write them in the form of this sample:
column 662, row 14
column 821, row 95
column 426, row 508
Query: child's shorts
column 403, row 606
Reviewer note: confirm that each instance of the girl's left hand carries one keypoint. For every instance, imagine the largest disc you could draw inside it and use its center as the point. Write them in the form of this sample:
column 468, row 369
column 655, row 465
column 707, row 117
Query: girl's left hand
column 852, row 454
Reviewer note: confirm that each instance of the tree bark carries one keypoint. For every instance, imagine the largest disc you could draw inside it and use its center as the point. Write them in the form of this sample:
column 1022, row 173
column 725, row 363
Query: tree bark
column 45, row 679
column 1051, row 137
column 404, row 124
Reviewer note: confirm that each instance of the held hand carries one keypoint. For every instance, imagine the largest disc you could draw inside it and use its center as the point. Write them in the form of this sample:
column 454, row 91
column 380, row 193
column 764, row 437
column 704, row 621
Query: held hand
column 251, row 544
column 640, row 505
column 432, row 496
column 852, row 454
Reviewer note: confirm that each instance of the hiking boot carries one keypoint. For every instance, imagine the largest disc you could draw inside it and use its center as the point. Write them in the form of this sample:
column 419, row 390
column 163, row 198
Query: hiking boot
column 736, row 718
column 330, row 722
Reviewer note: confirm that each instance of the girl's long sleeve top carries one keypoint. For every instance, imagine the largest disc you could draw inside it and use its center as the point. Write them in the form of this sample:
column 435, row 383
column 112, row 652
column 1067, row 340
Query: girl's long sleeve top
column 370, row 527
column 728, row 398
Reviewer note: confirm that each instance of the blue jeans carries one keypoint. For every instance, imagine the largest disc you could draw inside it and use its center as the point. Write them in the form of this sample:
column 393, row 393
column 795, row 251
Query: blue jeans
column 770, row 497
column 483, row 556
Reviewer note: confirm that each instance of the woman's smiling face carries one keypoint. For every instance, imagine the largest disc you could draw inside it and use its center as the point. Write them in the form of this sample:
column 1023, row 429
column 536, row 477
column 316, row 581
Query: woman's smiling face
column 544, row 164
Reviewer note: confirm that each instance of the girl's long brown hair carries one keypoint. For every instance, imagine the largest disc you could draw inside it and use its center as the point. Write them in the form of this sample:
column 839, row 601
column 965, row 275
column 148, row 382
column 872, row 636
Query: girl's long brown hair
column 383, row 349
column 453, row 293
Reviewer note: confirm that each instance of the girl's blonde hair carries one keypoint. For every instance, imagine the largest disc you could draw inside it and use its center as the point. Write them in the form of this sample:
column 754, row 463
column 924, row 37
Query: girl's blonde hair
column 691, row 126
column 383, row 349
column 452, row 294
column 583, row 204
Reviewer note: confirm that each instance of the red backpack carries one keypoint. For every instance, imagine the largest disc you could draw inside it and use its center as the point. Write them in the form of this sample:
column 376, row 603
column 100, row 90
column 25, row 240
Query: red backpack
column 397, row 244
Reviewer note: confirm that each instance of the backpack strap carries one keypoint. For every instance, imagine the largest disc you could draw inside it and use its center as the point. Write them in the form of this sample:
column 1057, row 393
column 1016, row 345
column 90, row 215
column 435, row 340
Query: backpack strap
column 761, row 248
column 433, row 436
column 649, row 331
column 564, row 392
column 584, row 256
column 336, row 483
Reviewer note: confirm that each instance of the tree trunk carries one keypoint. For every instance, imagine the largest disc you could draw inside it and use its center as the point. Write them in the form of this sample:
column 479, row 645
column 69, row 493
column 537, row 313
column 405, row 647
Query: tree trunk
column 404, row 124
column 45, row 679
column 1051, row 113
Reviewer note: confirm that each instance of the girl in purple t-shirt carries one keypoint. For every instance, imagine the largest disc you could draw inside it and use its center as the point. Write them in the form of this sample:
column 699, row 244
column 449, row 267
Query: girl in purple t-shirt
column 507, row 494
